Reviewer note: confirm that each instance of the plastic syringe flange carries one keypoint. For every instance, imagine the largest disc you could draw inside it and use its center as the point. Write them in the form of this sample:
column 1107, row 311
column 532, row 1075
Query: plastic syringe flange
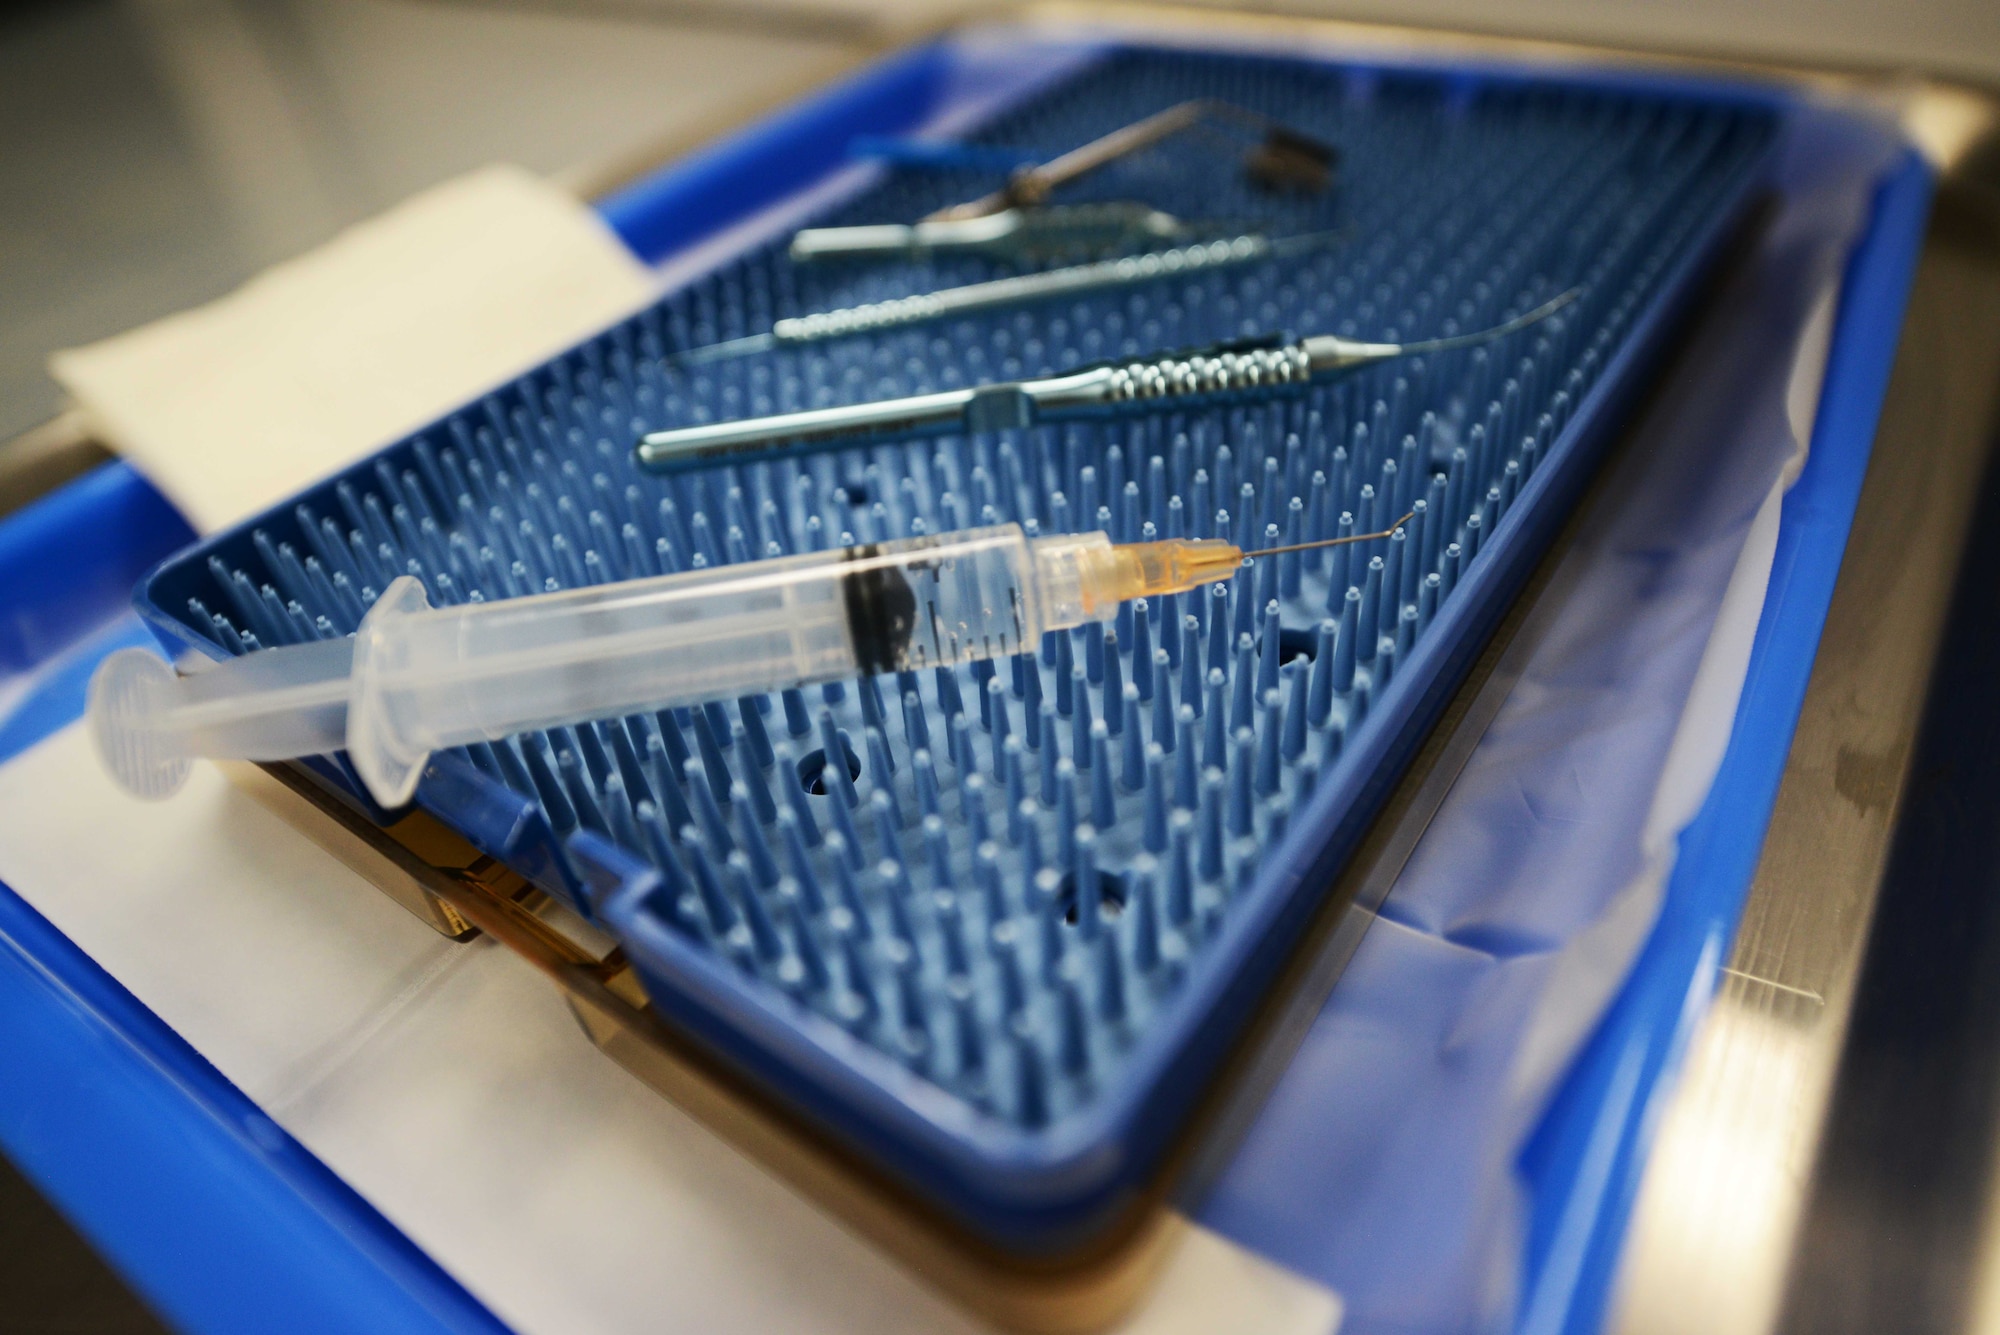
column 377, row 741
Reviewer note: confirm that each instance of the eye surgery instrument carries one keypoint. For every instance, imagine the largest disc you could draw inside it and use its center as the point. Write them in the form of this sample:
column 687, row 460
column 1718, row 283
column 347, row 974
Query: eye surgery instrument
column 999, row 293
column 1227, row 372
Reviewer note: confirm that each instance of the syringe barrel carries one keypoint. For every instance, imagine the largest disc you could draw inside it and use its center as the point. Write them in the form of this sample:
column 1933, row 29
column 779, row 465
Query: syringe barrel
column 427, row 678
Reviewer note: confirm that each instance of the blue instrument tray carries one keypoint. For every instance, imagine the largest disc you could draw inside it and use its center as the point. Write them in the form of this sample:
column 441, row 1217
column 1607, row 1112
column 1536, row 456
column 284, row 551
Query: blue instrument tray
column 1010, row 1015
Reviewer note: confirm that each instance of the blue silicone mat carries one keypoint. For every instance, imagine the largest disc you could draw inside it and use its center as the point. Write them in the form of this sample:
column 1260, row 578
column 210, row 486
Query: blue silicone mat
column 1004, row 971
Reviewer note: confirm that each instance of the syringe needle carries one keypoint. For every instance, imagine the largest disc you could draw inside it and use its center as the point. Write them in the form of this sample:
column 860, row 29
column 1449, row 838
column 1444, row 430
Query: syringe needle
column 1332, row 542
column 1177, row 565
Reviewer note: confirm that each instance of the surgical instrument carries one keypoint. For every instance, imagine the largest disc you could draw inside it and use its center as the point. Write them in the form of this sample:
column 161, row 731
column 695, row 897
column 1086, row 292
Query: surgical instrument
column 1283, row 159
column 1228, row 372
column 1017, row 290
column 416, row 678
column 1018, row 215
column 1015, row 234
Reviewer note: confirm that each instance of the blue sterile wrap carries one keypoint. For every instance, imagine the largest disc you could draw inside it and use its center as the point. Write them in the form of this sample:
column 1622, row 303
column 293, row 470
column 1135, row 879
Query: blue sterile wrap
column 1385, row 1163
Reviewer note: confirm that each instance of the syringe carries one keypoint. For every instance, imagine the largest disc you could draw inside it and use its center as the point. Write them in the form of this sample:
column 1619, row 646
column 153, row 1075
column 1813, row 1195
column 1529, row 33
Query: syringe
column 1244, row 370
column 415, row 679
